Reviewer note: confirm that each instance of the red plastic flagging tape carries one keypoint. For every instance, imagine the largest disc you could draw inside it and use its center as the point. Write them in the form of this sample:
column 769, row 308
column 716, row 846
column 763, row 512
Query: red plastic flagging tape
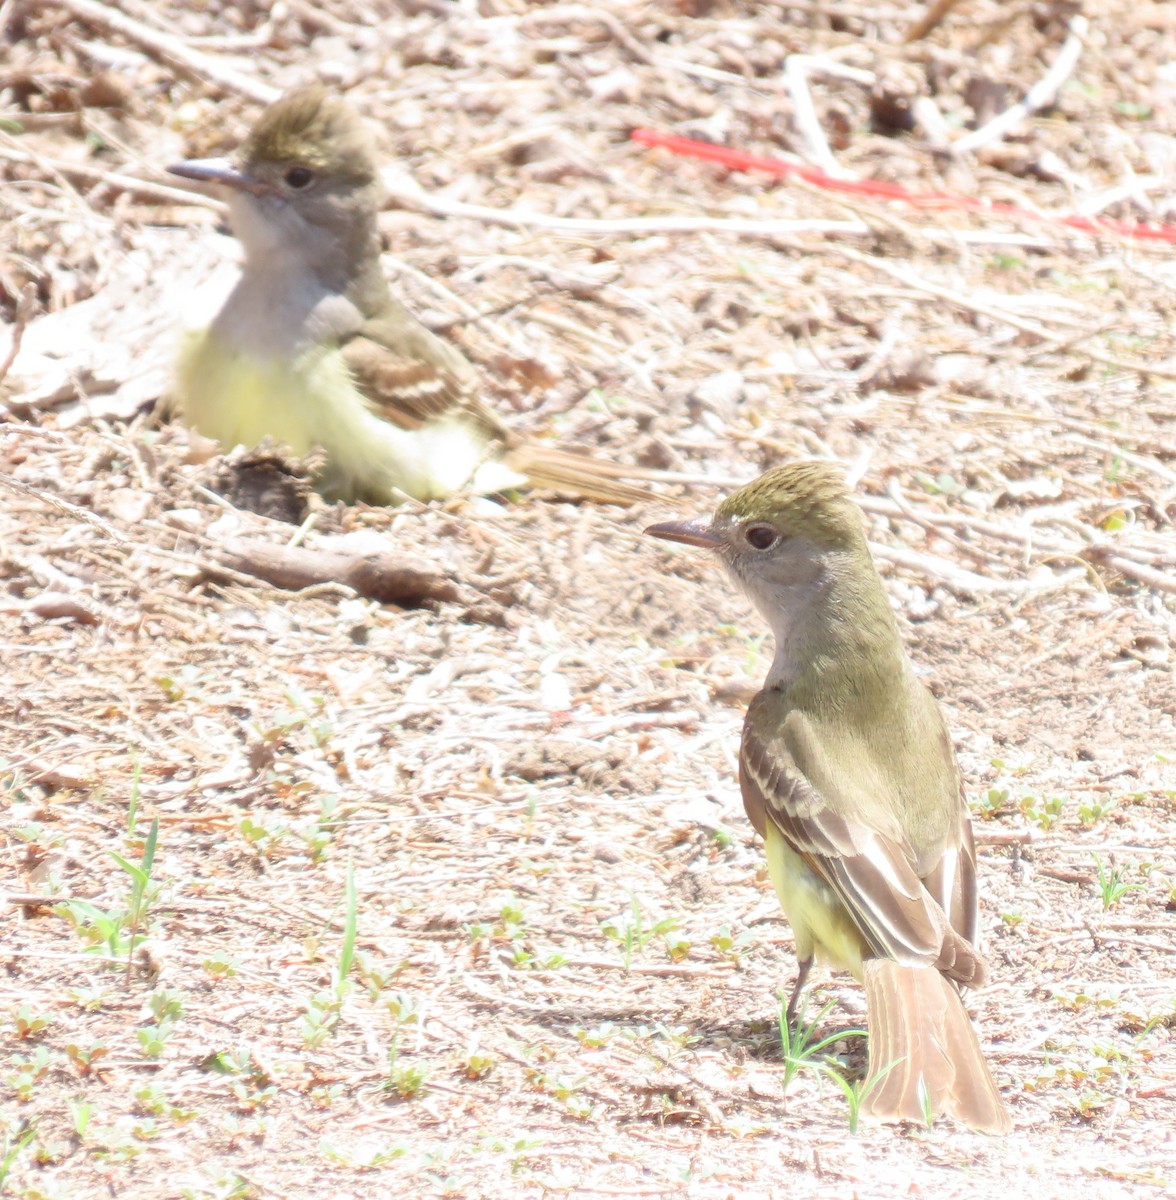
column 739, row 160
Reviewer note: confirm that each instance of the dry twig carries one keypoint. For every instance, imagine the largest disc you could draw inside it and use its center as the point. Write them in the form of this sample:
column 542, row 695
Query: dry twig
column 171, row 50
column 1038, row 96
column 389, row 578
column 407, row 194
column 25, row 308
column 937, row 10
column 94, row 176
column 796, row 72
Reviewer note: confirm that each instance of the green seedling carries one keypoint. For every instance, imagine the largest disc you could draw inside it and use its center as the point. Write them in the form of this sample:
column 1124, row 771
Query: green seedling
column 797, row 1045
column 84, row 1058
column 1042, row 811
column 324, row 1008
column 153, row 1038
column 133, row 805
column 1092, row 811
column 402, row 1080
column 477, row 1065
column 856, row 1093
column 1111, row 882
column 142, row 893
column 634, row 935
column 28, row 1071
column 10, row 1149
column 29, row 1023
column 221, row 965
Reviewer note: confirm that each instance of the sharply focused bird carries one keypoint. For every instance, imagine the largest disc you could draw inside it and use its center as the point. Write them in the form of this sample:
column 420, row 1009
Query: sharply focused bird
column 848, row 773
column 312, row 350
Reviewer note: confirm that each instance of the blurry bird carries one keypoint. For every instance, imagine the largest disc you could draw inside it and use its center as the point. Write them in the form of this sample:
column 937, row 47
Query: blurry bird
column 312, row 350
column 848, row 773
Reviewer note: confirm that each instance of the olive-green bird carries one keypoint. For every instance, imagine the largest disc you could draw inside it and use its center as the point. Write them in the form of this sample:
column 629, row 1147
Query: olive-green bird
column 312, row 350
column 848, row 773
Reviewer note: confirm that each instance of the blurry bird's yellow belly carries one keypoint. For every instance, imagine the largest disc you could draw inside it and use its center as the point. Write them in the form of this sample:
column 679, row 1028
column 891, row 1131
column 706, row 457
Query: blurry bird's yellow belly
column 239, row 398
column 308, row 400
column 819, row 920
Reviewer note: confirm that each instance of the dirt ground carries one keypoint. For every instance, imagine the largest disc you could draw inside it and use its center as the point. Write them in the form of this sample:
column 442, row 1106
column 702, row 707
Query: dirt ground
column 309, row 895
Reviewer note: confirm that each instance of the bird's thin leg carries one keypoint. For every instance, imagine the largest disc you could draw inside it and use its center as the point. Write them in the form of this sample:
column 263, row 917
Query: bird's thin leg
column 804, row 965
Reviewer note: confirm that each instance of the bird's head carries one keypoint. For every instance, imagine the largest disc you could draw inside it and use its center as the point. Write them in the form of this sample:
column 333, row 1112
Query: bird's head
column 304, row 182
column 782, row 531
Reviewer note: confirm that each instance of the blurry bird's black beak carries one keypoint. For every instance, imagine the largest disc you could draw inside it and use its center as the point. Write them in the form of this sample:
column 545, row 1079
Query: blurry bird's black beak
column 698, row 532
column 216, row 170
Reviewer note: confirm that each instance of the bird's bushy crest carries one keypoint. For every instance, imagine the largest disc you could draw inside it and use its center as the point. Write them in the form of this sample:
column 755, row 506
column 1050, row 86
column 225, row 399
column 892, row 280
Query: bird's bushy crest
column 312, row 126
column 802, row 498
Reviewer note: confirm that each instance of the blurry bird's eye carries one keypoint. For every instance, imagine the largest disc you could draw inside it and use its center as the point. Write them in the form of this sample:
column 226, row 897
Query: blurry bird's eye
column 761, row 537
column 299, row 177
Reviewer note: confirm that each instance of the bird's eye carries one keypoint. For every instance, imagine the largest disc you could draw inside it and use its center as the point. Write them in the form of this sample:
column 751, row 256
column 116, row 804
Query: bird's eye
column 760, row 537
column 299, row 178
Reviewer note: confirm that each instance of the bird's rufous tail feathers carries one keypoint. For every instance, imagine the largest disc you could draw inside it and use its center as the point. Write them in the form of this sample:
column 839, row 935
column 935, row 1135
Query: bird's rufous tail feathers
column 918, row 1023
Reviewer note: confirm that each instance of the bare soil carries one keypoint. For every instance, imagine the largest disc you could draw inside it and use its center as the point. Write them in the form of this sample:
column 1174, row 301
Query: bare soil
column 566, row 951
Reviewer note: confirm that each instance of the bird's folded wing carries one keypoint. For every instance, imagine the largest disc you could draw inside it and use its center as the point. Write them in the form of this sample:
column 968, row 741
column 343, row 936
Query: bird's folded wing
column 851, row 843
column 411, row 377
column 952, row 881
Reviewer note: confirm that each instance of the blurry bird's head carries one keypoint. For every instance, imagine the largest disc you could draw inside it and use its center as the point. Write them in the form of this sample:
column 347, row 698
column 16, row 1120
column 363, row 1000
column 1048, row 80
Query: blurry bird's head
column 304, row 182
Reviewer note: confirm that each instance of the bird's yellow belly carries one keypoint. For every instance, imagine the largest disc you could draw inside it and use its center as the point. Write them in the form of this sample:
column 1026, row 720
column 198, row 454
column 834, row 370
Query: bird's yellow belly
column 240, row 399
column 819, row 920
column 309, row 401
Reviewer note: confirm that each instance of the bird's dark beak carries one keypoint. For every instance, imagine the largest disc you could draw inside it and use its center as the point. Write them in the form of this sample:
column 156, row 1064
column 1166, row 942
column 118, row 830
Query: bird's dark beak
column 216, row 170
column 698, row 532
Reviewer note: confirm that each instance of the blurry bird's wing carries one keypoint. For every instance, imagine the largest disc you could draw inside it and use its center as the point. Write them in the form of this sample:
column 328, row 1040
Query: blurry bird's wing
column 411, row 377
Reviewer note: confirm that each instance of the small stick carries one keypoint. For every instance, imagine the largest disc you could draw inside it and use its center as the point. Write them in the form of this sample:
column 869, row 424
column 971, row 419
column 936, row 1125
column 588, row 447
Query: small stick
column 987, row 310
column 586, row 12
column 314, row 15
column 910, row 279
column 796, row 72
column 1159, row 580
column 71, row 510
column 408, row 195
column 90, row 176
column 1136, row 460
column 984, row 836
column 941, row 570
column 24, row 312
column 389, row 578
column 1038, row 96
column 52, row 606
column 935, row 14
column 172, row 50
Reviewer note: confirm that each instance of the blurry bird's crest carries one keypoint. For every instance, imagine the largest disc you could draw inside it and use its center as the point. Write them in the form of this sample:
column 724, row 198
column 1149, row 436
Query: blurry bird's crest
column 314, row 127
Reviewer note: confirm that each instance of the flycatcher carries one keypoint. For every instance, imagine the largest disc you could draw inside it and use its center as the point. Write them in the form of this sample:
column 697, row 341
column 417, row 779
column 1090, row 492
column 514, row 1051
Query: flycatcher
column 312, row 350
column 848, row 773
